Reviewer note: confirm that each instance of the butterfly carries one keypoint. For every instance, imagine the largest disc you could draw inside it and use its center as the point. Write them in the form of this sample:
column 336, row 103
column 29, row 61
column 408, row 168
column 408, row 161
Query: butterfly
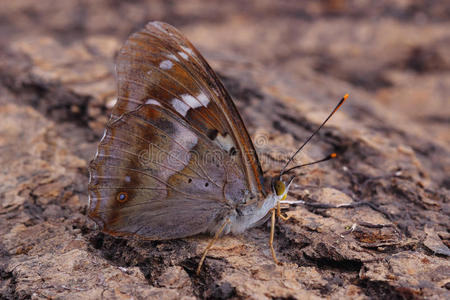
column 175, row 159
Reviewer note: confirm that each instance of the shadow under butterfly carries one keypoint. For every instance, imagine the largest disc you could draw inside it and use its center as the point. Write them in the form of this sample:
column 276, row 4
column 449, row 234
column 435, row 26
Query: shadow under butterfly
column 175, row 159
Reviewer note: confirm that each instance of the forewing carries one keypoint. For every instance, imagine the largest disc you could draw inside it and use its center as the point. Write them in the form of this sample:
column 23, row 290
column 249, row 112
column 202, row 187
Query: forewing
column 159, row 65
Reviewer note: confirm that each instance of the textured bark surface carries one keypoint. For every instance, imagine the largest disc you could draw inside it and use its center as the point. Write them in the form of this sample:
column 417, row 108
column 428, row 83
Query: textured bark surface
column 286, row 65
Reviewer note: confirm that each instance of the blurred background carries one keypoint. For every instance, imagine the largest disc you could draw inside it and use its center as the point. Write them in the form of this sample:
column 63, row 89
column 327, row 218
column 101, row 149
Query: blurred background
column 392, row 57
column 399, row 51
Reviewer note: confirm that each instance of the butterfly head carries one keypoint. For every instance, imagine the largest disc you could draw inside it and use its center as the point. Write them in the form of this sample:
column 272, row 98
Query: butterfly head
column 281, row 189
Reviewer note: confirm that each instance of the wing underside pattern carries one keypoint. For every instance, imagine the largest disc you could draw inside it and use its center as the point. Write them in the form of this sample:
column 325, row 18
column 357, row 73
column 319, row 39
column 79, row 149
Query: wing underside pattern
column 175, row 157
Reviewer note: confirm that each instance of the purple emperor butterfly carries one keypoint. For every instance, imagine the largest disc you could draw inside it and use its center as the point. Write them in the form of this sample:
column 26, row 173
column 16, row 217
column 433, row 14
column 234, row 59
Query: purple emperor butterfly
column 175, row 159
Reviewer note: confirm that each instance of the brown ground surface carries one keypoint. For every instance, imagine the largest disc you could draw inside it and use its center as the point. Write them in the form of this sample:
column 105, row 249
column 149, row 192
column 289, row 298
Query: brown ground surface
column 286, row 65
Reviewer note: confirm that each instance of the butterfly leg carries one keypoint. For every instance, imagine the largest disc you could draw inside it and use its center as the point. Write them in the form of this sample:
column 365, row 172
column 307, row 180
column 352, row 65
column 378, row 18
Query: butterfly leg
column 275, row 212
column 284, row 218
column 216, row 236
column 272, row 233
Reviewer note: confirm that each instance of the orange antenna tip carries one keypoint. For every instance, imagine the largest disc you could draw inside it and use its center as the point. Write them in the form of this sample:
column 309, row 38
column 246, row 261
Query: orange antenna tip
column 283, row 170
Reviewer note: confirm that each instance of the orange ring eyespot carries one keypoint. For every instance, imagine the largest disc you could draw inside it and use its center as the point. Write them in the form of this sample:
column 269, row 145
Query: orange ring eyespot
column 122, row 197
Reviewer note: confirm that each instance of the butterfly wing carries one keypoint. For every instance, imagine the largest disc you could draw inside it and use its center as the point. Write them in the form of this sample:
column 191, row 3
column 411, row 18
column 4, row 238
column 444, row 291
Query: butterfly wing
column 175, row 157
column 150, row 177
column 160, row 63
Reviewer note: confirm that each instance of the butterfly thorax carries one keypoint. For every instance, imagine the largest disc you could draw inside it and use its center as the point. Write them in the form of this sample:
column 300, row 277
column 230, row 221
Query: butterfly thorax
column 249, row 209
column 250, row 215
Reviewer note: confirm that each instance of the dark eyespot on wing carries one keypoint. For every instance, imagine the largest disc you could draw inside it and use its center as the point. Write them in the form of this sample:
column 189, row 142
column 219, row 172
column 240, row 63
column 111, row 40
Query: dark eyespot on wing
column 212, row 134
column 233, row 151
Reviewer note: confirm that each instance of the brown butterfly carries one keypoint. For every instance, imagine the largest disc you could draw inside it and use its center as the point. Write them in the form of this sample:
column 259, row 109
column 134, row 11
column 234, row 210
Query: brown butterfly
column 175, row 159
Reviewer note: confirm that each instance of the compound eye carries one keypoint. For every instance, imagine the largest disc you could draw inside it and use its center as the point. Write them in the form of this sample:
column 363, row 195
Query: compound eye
column 280, row 187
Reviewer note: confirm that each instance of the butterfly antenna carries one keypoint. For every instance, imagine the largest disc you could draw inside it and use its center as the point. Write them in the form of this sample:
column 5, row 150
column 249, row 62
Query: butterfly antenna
column 311, row 136
column 331, row 156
